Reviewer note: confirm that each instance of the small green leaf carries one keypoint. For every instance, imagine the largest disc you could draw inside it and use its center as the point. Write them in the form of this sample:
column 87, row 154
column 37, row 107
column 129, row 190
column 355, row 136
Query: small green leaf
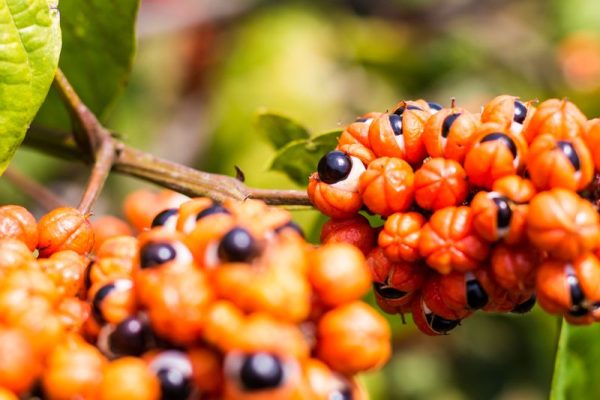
column 280, row 130
column 97, row 54
column 298, row 159
column 30, row 42
column 577, row 364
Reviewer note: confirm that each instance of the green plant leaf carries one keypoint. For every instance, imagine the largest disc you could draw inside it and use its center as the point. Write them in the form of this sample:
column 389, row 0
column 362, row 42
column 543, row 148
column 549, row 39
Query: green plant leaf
column 97, row 54
column 298, row 159
column 280, row 130
column 577, row 364
column 30, row 42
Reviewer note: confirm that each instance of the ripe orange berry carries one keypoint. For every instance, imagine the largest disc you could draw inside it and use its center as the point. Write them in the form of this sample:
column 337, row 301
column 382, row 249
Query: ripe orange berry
column 495, row 217
column 325, row 384
column 74, row 369
column 112, row 301
column 129, row 378
column 355, row 231
column 449, row 242
column 570, row 288
column 399, row 135
column 560, row 118
column 15, row 254
column 358, row 131
column 592, row 140
column 514, row 267
column 338, row 273
column 207, row 369
column 556, row 163
column 563, row 224
column 386, row 186
column 449, row 132
column 394, row 283
column 427, row 321
column 494, row 153
column 140, row 207
column 440, row 183
column 358, row 151
column 18, row 223
column 400, row 235
column 331, row 201
column 114, row 259
column 353, row 338
column 508, row 112
column 67, row 269
column 518, row 190
column 107, row 227
column 65, row 228
column 19, row 366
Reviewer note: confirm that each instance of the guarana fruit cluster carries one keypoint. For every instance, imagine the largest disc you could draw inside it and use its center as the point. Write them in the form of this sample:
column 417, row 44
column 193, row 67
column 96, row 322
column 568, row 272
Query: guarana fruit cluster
column 482, row 211
column 208, row 301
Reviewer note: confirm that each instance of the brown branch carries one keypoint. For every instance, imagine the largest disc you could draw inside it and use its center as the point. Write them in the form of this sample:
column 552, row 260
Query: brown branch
column 33, row 189
column 92, row 139
column 168, row 174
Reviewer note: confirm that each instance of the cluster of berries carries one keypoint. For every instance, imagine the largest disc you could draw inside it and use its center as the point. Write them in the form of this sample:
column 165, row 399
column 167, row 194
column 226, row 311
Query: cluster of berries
column 482, row 211
column 208, row 301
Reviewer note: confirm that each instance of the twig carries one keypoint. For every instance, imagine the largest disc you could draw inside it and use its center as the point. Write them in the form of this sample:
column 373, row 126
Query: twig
column 168, row 174
column 93, row 139
column 33, row 189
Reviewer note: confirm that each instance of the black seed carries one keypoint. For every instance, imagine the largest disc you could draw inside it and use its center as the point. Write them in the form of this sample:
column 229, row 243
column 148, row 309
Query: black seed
column 569, row 151
column 400, row 110
column 334, row 167
column 578, row 311
column 99, row 297
column 476, row 296
column 525, row 306
column 503, row 212
column 434, row 106
column 130, row 337
column 503, row 138
column 388, row 292
column 396, row 124
column 520, row 112
column 439, row 324
column 290, row 225
column 155, row 254
column 238, row 246
column 163, row 216
column 174, row 385
column 214, row 209
column 577, row 296
column 361, row 119
column 87, row 278
column 341, row 394
column 447, row 124
column 261, row 371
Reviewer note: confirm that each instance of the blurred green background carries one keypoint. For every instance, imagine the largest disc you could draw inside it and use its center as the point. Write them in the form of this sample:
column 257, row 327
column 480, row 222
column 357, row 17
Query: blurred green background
column 204, row 68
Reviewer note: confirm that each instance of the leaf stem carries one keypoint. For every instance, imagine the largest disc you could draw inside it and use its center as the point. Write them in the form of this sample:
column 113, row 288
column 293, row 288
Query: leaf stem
column 33, row 189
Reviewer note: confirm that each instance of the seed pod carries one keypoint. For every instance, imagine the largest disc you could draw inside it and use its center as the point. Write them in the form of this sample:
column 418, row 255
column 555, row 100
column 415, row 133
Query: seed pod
column 19, row 366
column 114, row 259
column 67, row 269
column 514, row 267
column 65, row 228
column 338, row 274
column 128, row 378
column 325, row 384
column 112, row 302
column 353, row 338
column 355, row 231
column 18, row 223
column 518, row 190
column 358, row 131
column 449, row 132
column 429, row 323
column 400, row 235
column 556, row 163
column 494, row 153
column 400, row 135
column 15, row 254
column 449, row 242
column 508, row 112
column 440, row 183
column 560, row 118
column 563, row 224
column 495, row 217
column 386, row 186
column 107, row 227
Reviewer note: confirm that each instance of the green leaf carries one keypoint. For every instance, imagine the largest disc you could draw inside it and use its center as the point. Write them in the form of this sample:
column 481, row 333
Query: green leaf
column 298, row 159
column 280, row 130
column 97, row 54
column 30, row 43
column 577, row 364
